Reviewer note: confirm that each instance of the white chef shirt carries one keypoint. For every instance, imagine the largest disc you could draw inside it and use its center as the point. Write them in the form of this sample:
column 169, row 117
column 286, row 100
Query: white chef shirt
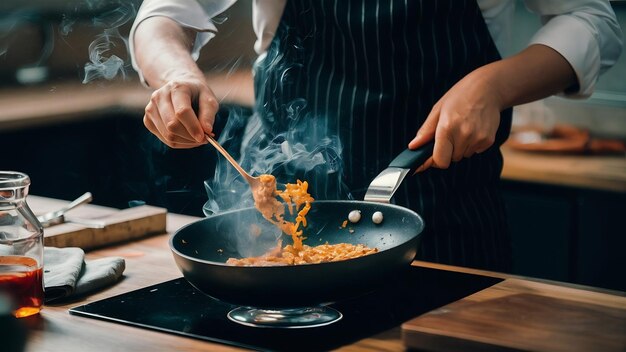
column 585, row 32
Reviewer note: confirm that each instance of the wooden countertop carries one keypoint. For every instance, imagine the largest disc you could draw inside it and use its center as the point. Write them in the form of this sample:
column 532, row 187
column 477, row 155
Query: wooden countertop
column 24, row 107
column 149, row 261
column 600, row 172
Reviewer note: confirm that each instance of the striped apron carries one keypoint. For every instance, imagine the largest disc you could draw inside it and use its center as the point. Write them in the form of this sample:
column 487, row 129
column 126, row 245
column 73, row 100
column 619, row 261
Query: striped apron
column 352, row 81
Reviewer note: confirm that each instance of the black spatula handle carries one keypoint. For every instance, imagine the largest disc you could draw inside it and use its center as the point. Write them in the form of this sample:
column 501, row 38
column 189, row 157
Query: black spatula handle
column 412, row 159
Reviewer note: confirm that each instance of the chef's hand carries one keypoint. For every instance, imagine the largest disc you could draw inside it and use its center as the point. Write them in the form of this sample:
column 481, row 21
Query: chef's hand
column 463, row 122
column 182, row 108
column 170, row 114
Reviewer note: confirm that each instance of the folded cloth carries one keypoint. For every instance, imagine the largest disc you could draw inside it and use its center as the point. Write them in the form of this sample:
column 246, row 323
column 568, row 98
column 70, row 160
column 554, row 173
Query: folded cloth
column 67, row 274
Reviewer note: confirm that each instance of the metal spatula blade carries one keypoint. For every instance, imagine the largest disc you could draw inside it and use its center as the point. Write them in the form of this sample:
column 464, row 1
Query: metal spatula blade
column 383, row 187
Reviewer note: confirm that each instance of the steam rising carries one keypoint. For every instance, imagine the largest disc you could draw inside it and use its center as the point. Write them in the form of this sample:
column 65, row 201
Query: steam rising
column 108, row 15
column 289, row 156
column 306, row 148
column 102, row 66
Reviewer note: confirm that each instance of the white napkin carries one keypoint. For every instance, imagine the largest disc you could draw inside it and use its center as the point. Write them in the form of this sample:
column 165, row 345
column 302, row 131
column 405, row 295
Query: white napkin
column 67, row 274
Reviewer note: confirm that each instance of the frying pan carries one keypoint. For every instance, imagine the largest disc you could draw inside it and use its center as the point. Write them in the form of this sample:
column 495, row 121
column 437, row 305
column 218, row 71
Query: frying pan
column 201, row 249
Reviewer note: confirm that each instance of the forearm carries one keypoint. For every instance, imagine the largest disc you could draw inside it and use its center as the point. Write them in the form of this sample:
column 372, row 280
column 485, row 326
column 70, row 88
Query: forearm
column 465, row 120
column 162, row 50
column 535, row 73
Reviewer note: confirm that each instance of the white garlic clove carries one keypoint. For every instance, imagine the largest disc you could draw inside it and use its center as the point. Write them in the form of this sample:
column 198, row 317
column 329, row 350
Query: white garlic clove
column 377, row 217
column 354, row 216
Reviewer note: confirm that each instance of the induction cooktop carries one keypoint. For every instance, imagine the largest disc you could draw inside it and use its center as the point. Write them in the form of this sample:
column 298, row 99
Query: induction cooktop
column 176, row 307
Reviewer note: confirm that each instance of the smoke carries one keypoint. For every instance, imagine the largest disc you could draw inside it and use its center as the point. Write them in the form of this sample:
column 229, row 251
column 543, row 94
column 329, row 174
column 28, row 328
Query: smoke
column 101, row 65
column 108, row 52
column 305, row 148
column 285, row 137
column 288, row 156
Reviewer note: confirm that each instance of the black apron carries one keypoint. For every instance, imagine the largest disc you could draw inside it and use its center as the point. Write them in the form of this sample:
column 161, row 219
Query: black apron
column 352, row 81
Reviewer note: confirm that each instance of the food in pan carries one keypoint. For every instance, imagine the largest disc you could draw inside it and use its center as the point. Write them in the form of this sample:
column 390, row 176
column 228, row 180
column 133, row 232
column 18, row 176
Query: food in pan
column 273, row 210
column 298, row 199
column 354, row 216
column 377, row 217
column 307, row 255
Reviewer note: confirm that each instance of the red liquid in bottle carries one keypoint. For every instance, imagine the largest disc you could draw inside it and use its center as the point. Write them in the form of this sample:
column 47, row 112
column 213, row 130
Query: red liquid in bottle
column 22, row 282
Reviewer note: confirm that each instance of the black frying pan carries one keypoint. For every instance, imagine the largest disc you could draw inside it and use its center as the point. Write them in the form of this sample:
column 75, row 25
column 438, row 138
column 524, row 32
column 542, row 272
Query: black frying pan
column 201, row 249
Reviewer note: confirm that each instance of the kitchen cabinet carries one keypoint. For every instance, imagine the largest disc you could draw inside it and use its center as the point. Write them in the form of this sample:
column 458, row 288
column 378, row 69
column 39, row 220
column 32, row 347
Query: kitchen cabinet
column 114, row 157
column 540, row 224
column 600, row 257
column 567, row 233
column 79, row 138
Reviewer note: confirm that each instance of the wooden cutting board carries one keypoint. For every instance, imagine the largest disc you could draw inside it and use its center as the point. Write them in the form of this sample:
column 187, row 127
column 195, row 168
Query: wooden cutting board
column 523, row 315
column 119, row 225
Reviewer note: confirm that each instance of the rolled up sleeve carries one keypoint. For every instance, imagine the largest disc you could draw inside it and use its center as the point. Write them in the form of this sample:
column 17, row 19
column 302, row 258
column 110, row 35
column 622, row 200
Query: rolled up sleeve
column 191, row 14
column 585, row 33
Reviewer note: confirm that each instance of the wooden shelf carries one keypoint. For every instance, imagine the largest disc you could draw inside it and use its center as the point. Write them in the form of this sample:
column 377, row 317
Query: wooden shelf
column 50, row 103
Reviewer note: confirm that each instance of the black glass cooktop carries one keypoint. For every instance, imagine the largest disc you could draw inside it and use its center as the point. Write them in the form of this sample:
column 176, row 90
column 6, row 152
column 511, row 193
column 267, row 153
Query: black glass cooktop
column 178, row 308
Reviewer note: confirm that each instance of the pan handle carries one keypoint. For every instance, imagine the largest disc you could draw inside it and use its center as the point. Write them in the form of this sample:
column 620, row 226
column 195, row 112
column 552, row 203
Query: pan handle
column 411, row 159
column 387, row 182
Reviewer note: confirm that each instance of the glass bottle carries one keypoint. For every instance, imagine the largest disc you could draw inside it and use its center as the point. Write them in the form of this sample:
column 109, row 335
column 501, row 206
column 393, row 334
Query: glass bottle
column 21, row 247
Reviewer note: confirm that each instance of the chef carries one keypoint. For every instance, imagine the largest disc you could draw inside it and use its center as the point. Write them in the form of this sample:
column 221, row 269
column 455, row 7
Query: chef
column 381, row 75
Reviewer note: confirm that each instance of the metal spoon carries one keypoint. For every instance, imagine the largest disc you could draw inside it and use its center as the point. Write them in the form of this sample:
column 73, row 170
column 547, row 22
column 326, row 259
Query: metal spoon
column 254, row 182
column 58, row 216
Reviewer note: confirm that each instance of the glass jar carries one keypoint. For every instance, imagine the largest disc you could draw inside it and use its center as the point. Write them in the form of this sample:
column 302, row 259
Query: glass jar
column 21, row 247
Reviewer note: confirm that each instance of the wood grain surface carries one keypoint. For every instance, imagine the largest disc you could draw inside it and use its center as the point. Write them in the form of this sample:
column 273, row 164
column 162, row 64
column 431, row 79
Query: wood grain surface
column 523, row 315
column 599, row 172
column 119, row 225
column 504, row 316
